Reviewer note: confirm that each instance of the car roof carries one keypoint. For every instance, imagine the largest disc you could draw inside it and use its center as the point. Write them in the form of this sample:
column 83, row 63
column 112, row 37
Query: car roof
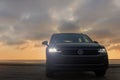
column 68, row 33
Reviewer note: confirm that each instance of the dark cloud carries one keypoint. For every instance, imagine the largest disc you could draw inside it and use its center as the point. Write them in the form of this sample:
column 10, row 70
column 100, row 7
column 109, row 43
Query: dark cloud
column 38, row 19
column 68, row 26
column 95, row 10
column 11, row 40
column 101, row 33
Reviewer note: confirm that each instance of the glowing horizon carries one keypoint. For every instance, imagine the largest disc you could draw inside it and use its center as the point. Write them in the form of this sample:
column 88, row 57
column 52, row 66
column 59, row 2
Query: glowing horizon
column 33, row 53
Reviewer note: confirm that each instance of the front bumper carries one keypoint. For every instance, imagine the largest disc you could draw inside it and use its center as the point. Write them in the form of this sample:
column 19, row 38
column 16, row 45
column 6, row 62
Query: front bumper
column 77, row 62
column 80, row 67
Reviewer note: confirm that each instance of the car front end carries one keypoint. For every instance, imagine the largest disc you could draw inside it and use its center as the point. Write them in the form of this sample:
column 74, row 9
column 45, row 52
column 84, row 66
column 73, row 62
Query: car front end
column 77, row 58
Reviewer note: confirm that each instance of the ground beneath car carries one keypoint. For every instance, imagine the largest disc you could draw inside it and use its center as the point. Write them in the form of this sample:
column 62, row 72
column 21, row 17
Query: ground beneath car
column 37, row 72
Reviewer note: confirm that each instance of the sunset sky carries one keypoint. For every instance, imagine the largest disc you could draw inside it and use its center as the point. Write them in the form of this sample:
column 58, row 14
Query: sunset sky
column 24, row 24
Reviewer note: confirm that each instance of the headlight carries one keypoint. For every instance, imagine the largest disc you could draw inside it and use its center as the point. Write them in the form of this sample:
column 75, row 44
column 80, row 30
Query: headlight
column 102, row 50
column 53, row 50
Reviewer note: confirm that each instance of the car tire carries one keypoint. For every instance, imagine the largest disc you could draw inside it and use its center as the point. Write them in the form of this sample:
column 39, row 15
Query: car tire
column 100, row 73
column 49, row 73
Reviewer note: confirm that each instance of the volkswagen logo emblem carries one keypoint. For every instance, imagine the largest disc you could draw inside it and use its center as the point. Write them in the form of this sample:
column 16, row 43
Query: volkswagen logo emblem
column 80, row 51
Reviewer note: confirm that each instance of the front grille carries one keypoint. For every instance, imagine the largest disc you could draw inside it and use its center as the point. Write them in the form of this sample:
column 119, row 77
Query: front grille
column 75, row 51
column 90, row 52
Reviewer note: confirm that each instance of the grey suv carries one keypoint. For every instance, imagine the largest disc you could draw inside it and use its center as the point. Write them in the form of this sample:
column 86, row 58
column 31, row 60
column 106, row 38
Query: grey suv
column 75, row 52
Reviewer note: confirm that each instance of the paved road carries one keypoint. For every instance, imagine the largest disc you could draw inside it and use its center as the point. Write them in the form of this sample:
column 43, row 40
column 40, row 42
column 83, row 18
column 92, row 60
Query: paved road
column 37, row 72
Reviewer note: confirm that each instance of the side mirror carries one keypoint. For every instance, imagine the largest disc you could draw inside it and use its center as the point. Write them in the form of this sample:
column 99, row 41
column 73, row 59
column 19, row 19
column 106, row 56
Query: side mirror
column 95, row 41
column 45, row 43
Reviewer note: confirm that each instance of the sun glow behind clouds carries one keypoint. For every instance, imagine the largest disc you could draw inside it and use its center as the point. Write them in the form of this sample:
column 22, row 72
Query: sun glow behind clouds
column 61, row 15
column 31, row 50
column 67, row 13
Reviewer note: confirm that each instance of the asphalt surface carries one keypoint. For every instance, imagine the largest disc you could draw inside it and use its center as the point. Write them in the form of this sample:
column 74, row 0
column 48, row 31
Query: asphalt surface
column 37, row 72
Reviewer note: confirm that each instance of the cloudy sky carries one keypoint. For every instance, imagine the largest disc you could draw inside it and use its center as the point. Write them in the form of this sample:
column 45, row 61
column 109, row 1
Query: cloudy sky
column 24, row 24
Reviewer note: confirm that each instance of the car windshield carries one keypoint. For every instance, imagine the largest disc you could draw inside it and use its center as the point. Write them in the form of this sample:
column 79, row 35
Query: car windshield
column 70, row 38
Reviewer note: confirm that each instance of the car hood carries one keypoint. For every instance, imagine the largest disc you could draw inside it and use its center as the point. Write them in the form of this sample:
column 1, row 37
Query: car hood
column 80, row 45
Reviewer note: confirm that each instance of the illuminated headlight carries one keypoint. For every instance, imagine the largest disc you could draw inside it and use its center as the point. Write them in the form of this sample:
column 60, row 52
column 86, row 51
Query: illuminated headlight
column 53, row 50
column 102, row 50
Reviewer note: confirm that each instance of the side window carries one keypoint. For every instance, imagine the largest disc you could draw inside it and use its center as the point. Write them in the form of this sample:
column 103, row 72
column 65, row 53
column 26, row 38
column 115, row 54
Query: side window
column 86, row 38
column 80, row 40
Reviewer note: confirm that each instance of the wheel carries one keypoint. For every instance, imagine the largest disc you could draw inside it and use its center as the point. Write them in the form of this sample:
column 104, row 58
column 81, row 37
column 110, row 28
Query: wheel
column 49, row 69
column 49, row 73
column 100, row 73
